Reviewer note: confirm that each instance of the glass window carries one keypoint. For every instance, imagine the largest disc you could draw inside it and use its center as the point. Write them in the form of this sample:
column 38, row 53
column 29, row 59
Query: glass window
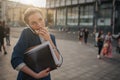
column 75, row 15
column 105, row 14
column 62, row 2
column 74, row 1
column 52, row 3
column 61, row 16
column 86, row 15
column 68, row 2
column 81, row 1
column 89, row 0
column 72, row 16
column 69, row 16
column 57, row 3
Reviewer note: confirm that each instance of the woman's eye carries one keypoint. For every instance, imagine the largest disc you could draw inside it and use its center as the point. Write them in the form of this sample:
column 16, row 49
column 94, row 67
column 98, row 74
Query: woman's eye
column 33, row 23
column 40, row 19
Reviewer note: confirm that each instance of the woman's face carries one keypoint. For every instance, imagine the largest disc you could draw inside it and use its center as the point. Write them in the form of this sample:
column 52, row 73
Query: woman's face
column 36, row 21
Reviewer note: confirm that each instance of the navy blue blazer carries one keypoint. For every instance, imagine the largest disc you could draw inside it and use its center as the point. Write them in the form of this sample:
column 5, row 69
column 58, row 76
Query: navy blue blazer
column 27, row 39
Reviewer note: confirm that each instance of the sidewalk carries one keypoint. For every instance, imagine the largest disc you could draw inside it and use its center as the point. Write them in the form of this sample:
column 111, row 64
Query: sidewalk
column 80, row 61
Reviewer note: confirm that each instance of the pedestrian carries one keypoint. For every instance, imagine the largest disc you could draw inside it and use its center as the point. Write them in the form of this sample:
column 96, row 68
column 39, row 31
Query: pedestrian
column 80, row 35
column 118, row 45
column 108, row 40
column 100, row 41
column 2, row 35
column 105, row 48
column 35, row 34
column 7, row 35
column 86, row 33
column 95, row 38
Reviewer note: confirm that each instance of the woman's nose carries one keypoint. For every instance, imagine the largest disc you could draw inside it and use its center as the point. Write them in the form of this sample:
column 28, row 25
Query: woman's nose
column 39, row 24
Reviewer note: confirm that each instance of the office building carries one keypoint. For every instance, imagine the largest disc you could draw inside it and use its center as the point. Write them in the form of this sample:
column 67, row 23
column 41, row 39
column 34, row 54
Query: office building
column 93, row 14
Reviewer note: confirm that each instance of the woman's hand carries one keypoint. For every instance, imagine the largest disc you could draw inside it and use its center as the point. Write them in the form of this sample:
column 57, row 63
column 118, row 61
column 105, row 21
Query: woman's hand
column 39, row 75
column 43, row 73
column 43, row 32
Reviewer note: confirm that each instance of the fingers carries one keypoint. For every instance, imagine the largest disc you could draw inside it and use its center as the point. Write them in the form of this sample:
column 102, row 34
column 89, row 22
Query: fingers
column 43, row 73
column 43, row 32
column 47, row 70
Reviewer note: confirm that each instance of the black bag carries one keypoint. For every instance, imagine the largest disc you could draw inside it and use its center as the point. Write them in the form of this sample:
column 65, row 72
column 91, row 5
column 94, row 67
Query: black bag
column 40, row 57
column 100, row 43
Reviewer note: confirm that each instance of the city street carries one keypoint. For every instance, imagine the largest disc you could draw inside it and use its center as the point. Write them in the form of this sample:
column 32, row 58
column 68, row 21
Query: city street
column 80, row 60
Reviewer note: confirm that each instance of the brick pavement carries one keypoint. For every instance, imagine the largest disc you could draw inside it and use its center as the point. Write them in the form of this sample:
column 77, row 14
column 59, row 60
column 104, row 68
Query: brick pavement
column 80, row 62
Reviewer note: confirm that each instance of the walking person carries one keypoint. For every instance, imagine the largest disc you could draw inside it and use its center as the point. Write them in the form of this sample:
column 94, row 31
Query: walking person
column 100, row 41
column 7, row 35
column 95, row 38
column 108, row 40
column 2, row 35
column 86, row 33
column 35, row 34
column 118, row 45
column 80, row 35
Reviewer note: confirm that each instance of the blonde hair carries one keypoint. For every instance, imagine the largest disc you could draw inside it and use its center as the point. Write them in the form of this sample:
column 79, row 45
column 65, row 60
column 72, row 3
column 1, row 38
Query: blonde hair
column 29, row 12
column 105, row 45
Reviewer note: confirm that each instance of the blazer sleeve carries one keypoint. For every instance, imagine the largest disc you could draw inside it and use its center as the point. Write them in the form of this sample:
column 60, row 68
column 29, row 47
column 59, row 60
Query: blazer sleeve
column 59, row 63
column 53, row 39
column 19, row 49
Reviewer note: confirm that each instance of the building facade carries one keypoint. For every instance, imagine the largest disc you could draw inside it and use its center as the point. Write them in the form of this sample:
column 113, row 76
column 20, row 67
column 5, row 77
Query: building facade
column 12, row 12
column 2, row 10
column 15, row 13
column 93, row 14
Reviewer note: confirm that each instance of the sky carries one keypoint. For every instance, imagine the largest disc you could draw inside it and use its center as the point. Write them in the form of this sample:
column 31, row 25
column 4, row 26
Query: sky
column 38, row 3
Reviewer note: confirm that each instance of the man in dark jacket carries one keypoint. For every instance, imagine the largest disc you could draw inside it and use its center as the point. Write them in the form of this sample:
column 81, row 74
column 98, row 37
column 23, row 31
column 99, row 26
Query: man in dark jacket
column 2, row 35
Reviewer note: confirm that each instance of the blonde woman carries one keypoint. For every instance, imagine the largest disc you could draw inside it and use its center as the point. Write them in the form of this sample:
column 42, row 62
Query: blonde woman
column 35, row 34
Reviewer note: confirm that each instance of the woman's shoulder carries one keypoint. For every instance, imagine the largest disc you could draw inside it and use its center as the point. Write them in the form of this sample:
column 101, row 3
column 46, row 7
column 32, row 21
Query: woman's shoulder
column 52, row 35
column 27, row 31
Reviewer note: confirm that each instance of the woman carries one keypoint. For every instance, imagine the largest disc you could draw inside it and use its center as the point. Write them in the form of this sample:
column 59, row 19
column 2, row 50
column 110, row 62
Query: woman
column 80, row 35
column 2, row 35
column 86, row 33
column 118, row 45
column 100, row 40
column 108, row 40
column 35, row 34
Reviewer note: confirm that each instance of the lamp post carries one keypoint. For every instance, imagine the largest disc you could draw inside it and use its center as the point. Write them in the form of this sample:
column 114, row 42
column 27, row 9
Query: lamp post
column 113, row 17
column 96, row 15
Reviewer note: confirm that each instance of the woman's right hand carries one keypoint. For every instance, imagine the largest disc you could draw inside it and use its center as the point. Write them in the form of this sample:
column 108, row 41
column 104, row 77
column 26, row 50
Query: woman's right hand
column 43, row 73
column 39, row 75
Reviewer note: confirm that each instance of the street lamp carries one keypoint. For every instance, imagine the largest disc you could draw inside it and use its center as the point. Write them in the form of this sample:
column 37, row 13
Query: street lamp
column 113, row 21
column 96, row 15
